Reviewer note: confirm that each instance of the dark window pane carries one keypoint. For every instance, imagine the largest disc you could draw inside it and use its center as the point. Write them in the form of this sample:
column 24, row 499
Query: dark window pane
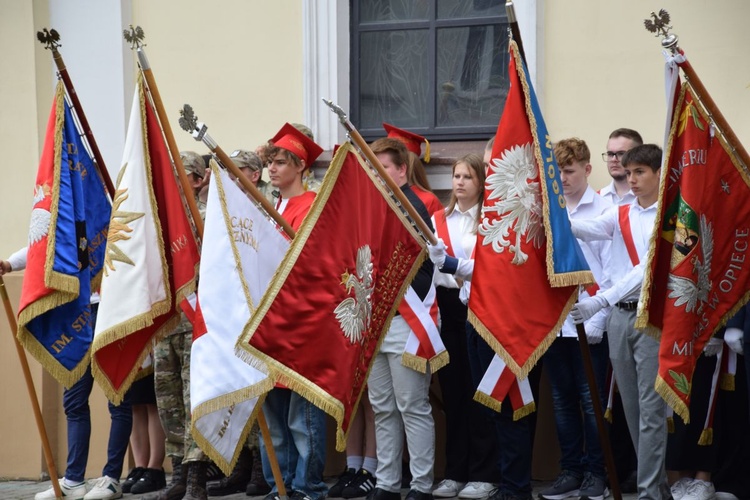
column 472, row 78
column 393, row 10
column 451, row 9
column 393, row 84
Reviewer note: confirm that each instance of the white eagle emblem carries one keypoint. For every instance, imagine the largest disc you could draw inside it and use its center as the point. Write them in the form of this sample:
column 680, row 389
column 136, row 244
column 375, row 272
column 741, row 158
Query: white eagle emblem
column 40, row 217
column 518, row 205
column 693, row 294
column 354, row 313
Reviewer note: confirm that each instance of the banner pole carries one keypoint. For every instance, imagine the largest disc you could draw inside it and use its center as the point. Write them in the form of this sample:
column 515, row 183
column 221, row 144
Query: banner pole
column 659, row 24
column 51, row 40
column 48, row 457
column 359, row 141
column 189, row 123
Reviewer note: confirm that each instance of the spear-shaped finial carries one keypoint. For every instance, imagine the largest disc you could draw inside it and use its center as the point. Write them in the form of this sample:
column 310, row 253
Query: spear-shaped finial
column 659, row 26
column 134, row 36
column 49, row 38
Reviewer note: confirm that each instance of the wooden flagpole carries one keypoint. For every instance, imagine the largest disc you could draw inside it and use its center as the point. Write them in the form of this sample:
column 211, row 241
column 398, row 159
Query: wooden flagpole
column 135, row 37
column 189, row 123
column 51, row 468
column 51, row 40
column 659, row 24
column 406, row 205
column 596, row 402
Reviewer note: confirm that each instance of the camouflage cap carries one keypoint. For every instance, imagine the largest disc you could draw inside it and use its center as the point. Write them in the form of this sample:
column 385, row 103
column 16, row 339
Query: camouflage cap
column 193, row 163
column 246, row 159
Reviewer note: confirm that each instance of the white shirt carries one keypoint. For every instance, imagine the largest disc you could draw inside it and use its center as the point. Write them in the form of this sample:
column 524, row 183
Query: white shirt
column 461, row 227
column 597, row 253
column 626, row 279
column 610, row 193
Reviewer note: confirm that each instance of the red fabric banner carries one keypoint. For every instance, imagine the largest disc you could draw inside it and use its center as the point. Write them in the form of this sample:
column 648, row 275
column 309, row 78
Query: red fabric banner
column 323, row 317
column 697, row 274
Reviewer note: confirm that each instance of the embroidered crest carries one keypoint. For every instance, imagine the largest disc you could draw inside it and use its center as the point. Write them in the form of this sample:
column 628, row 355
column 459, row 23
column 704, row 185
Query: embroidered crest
column 694, row 294
column 354, row 313
column 40, row 217
column 514, row 183
column 118, row 227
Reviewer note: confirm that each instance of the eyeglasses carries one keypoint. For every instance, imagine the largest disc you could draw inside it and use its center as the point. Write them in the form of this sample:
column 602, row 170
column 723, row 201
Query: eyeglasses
column 611, row 155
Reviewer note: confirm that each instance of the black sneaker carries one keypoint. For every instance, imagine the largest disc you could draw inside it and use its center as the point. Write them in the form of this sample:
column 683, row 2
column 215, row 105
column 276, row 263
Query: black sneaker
column 299, row 495
column 361, row 484
column 337, row 489
column 150, row 480
column 418, row 495
column 566, row 485
column 132, row 478
column 380, row 494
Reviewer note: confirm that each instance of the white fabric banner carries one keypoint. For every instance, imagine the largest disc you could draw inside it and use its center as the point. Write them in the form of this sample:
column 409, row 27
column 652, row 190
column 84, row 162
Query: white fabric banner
column 135, row 281
column 241, row 251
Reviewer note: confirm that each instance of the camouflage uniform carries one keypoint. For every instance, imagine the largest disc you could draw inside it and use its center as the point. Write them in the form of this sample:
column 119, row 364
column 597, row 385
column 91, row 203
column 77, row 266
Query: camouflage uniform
column 172, row 386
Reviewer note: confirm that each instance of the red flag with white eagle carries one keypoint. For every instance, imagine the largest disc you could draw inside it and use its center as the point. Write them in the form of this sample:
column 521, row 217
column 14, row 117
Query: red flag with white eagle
column 323, row 317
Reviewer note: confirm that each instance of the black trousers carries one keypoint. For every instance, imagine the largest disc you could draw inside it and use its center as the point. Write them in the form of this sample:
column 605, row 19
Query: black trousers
column 471, row 442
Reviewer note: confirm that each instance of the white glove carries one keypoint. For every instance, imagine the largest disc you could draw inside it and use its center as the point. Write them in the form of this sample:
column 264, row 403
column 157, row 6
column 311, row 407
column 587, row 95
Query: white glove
column 733, row 338
column 587, row 307
column 594, row 334
column 712, row 347
column 437, row 253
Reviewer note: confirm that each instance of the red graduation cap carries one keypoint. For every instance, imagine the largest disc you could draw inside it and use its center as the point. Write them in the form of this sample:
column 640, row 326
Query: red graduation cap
column 296, row 142
column 412, row 141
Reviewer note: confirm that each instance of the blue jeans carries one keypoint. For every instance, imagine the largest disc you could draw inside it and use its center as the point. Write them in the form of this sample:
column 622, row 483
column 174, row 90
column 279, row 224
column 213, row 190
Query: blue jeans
column 577, row 431
column 515, row 437
column 78, row 415
column 298, row 433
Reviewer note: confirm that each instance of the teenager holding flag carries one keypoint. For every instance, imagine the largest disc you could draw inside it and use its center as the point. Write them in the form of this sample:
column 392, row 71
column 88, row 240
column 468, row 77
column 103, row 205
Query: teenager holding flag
column 298, row 428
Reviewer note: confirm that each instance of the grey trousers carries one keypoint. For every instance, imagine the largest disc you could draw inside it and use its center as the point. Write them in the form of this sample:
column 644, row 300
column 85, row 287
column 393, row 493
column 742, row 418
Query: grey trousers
column 400, row 400
column 635, row 362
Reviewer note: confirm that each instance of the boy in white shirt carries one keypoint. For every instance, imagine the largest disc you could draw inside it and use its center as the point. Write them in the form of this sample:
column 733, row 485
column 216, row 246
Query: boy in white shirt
column 633, row 353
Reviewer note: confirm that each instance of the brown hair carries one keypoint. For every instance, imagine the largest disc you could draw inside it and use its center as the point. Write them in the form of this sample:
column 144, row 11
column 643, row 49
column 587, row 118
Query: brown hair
column 394, row 148
column 475, row 164
column 628, row 133
column 272, row 151
column 416, row 174
column 568, row 151
column 646, row 154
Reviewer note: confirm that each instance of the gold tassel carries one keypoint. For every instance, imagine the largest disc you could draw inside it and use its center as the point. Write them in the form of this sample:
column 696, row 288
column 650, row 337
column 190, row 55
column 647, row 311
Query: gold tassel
column 524, row 411
column 727, row 382
column 488, row 401
column 670, row 425
column 608, row 415
column 707, row 437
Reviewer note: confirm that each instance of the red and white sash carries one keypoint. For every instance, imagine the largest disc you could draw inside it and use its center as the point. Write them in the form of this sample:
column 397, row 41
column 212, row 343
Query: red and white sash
column 424, row 344
column 627, row 234
column 497, row 382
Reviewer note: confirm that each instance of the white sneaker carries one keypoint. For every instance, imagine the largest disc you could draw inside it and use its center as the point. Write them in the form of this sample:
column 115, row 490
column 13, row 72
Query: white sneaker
column 476, row 489
column 447, row 488
column 680, row 487
column 76, row 492
column 105, row 488
column 725, row 495
column 700, row 490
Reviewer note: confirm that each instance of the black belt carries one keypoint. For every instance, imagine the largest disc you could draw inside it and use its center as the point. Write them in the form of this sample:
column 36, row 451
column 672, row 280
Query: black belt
column 628, row 305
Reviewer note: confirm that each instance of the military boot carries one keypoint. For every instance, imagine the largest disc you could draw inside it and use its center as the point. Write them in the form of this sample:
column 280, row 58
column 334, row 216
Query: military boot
column 175, row 490
column 196, row 481
column 237, row 481
column 257, row 485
